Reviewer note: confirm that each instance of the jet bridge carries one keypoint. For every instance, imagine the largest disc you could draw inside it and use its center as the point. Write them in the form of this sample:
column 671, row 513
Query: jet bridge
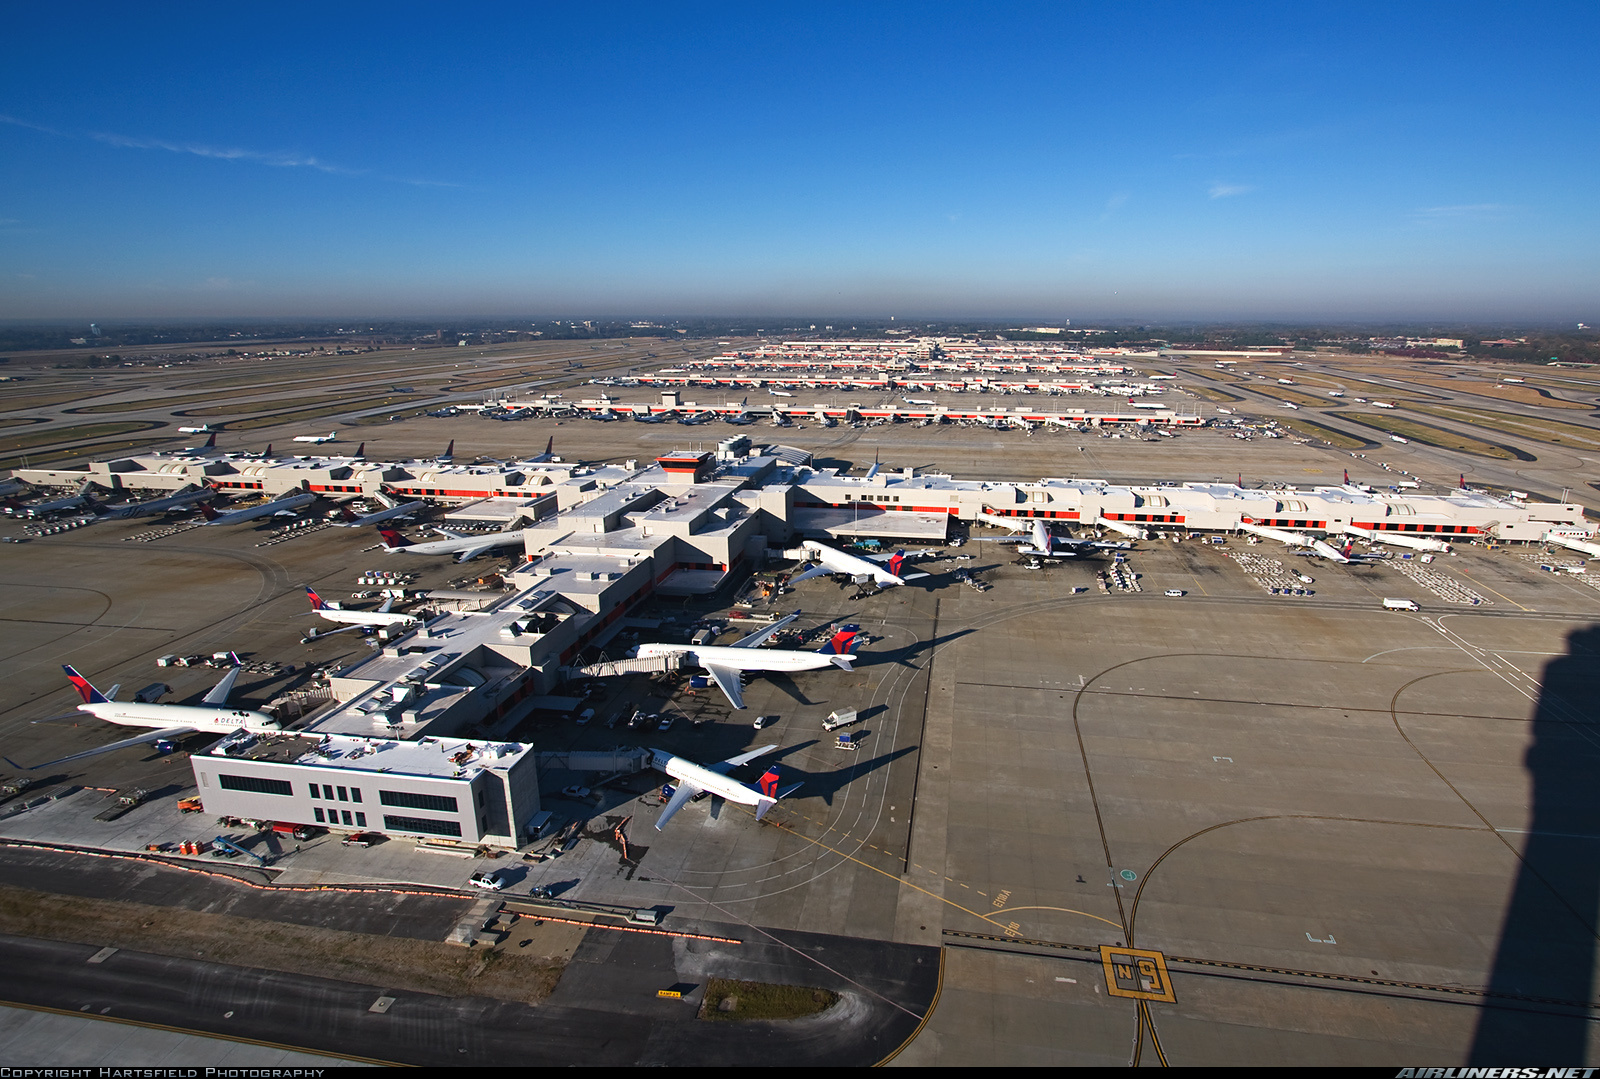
column 1590, row 549
column 613, row 667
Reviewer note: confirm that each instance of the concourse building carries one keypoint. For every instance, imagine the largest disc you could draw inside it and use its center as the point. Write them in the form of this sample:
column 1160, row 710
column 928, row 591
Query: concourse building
column 414, row 739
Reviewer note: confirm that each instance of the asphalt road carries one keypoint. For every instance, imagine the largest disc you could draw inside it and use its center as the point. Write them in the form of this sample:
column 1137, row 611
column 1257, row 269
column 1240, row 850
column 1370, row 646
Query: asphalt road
column 605, row 1012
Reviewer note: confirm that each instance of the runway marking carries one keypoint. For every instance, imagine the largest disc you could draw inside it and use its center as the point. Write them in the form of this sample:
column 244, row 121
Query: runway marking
column 1514, row 603
column 1138, row 973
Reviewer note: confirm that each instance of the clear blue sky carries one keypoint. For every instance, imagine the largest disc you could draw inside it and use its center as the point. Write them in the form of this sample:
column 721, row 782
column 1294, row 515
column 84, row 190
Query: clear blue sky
column 1105, row 160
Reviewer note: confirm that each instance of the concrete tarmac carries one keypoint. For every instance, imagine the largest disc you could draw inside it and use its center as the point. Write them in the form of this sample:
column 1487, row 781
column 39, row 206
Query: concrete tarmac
column 1351, row 836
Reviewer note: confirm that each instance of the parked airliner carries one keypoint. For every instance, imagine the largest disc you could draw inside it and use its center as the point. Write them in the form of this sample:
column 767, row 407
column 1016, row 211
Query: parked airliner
column 168, row 721
column 692, row 779
column 464, row 547
column 831, row 560
column 383, row 616
column 725, row 662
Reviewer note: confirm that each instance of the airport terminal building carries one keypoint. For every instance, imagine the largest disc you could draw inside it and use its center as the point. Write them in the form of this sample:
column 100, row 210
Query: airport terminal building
column 413, row 742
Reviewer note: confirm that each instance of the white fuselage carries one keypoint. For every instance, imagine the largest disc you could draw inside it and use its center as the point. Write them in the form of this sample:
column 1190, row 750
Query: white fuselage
column 1293, row 539
column 699, row 775
column 1329, row 551
column 159, row 716
column 266, row 509
column 366, row 618
column 840, row 562
column 740, row 659
column 1416, row 543
column 1016, row 524
column 456, row 546
column 1126, row 529
column 161, row 505
column 384, row 515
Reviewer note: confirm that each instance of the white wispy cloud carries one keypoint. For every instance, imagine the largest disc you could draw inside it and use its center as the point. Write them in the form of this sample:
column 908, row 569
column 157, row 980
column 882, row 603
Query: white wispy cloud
column 226, row 153
column 1228, row 191
column 14, row 122
column 270, row 158
column 1474, row 211
column 1114, row 204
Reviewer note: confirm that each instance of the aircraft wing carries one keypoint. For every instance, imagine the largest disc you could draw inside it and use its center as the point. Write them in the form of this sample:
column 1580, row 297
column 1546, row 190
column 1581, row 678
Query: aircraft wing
column 452, row 535
column 680, row 798
column 814, row 571
column 387, row 603
column 744, row 758
column 219, row 692
column 760, row 635
column 473, row 552
column 727, row 680
column 143, row 739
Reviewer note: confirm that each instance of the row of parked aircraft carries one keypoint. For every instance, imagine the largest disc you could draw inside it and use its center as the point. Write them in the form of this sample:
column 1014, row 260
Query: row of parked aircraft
column 169, row 722
column 725, row 664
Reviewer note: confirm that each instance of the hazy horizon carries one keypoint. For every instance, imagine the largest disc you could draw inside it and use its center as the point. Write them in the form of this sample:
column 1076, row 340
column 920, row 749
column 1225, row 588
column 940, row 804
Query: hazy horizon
column 1174, row 163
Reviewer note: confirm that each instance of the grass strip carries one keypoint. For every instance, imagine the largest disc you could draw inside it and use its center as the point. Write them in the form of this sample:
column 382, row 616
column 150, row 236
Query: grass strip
column 1433, row 436
column 300, row 415
column 1500, row 391
column 731, row 1001
column 1539, row 430
column 56, row 435
column 44, row 400
column 339, row 401
column 1326, row 434
column 1295, row 396
column 42, row 458
column 392, row 962
column 1215, row 396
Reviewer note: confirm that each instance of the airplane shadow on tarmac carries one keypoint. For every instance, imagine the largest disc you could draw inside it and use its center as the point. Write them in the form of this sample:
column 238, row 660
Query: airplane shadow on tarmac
column 827, row 784
column 1540, row 1008
column 905, row 655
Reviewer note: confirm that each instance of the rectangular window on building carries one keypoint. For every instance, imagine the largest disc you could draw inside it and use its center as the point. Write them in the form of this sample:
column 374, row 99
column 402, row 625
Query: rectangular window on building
column 419, row 824
column 342, row 795
column 254, row 784
column 316, row 811
column 345, row 813
column 355, row 794
column 361, row 820
column 435, row 803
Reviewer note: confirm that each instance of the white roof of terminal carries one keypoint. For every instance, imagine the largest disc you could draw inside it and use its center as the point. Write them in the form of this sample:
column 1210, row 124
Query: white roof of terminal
column 452, row 758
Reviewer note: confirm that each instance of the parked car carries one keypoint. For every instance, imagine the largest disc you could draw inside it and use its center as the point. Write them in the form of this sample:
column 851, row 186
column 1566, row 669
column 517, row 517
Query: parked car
column 489, row 882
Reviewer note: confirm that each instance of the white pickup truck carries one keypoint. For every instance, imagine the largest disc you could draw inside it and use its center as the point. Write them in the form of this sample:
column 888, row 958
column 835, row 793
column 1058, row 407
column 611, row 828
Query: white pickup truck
column 489, row 882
